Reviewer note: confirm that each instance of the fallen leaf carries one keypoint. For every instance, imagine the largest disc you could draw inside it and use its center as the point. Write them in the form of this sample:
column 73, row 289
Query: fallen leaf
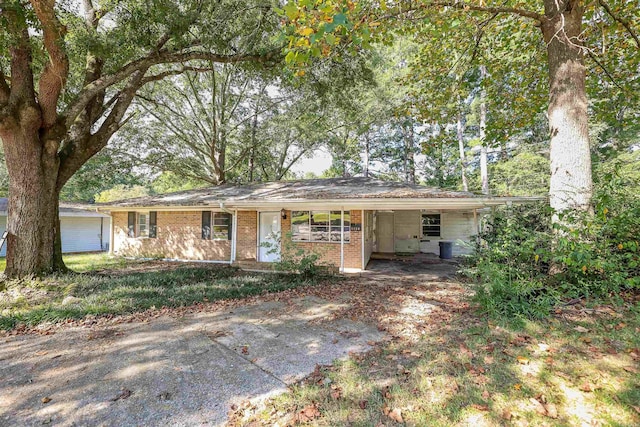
column 480, row 407
column 485, row 395
column 46, row 400
column 396, row 415
column 620, row 326
column 308, row 413
column 630, row 369
column 517, row 386
column 506, row 415
column 581, row 329
column 586, row 387
column 552, row 411
column 363, row 404
column 464, row 350
column 386, row 393
column 244, row 349
column 336, row 392
column 537, row 406
column 637, row 408
column 522, row 360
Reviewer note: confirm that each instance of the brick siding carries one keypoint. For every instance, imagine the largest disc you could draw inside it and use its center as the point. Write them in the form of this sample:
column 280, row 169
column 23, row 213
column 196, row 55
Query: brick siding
column 179, row 236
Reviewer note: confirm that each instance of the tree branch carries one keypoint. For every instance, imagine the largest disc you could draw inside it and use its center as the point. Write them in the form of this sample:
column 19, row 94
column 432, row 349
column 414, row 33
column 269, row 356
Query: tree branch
column 593, row 57
column 622, row 21
column 22, row 88
column 56, row 70
column 461, row 5
column 174, row 72
column 76, row 154
column 154, row 58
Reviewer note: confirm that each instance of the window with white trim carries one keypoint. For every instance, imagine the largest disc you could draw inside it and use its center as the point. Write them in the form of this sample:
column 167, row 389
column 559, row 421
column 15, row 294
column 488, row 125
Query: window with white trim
column 431, row 226
column 319, row 226
column 216, row 225
column 142, row 224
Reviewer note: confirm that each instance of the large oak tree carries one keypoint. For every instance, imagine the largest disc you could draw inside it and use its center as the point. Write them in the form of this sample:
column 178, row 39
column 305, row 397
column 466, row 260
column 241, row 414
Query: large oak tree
column 69, row 72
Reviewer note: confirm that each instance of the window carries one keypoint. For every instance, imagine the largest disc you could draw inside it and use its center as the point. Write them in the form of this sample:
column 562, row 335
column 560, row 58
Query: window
column 431, row 225
column 216, row 225
column 319, row 226
column 142, row 224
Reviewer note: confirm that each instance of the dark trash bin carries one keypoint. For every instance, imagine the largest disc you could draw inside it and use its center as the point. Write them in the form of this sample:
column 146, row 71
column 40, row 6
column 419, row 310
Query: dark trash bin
column 446, row 250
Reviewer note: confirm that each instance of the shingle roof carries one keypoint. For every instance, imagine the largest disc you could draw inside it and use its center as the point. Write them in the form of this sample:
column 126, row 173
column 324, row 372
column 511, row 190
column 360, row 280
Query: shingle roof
column 300, row 190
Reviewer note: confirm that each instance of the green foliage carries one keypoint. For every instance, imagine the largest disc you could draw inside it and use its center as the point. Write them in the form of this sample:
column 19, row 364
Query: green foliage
column 526, row 266
column 108, row 169
column 525, row 174
column 294, row 259
column 120, row 192
column 169, row 182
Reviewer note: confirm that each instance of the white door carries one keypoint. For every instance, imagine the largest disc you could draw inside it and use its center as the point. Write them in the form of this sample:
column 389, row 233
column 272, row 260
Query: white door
column 269, row 229
column 384, row 229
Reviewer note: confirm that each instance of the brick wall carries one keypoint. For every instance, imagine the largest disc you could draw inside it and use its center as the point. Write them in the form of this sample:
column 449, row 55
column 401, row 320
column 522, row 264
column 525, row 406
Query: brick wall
column 330, row 252
column 247, row 240
column 179, row 236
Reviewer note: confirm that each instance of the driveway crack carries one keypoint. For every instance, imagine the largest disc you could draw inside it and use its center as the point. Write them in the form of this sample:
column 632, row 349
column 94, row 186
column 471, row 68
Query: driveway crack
column 271, row 374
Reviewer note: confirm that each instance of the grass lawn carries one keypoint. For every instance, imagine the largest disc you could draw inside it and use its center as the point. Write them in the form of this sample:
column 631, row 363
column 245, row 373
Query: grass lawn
column 84, row 262
column 110, row 285
column 579, row 368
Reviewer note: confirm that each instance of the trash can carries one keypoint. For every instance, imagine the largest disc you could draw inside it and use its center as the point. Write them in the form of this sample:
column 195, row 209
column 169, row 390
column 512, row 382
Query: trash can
column 446, row 250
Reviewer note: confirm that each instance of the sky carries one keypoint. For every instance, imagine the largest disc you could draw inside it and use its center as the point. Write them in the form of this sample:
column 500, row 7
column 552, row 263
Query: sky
column 319, row 161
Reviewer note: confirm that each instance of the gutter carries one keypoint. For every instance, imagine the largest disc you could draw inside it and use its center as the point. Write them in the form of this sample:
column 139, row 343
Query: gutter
column 336, row 204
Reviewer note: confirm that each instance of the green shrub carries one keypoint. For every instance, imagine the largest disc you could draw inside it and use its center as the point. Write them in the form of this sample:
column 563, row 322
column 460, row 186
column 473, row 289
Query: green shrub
column 526, row 264
column 294, row 259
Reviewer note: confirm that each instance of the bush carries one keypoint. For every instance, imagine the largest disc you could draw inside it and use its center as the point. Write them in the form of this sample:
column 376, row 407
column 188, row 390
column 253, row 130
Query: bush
column 294, row 259
column 526, row 264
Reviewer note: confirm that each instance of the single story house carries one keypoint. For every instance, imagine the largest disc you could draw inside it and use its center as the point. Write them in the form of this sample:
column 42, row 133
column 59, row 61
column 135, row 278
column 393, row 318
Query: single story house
column 343, row 220
column 82, row 228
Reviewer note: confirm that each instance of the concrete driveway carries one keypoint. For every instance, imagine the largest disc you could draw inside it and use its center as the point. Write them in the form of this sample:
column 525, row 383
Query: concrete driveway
column 171, row 371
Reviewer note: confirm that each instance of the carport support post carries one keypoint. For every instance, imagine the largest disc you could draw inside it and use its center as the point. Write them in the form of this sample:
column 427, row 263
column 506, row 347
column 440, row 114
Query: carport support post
column 234, row 236
column 475, row 221
column 111, row 234
column 341, row 239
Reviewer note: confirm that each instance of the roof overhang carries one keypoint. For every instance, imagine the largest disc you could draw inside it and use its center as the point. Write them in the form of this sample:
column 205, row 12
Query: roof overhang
column 75, row 213
column 457, row 203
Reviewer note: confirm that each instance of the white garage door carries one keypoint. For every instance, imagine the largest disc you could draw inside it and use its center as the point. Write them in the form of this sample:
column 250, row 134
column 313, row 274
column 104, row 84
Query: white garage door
column 80, row 234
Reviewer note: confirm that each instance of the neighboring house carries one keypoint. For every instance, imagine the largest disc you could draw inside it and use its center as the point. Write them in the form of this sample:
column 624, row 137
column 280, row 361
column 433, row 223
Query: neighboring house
column 344, row 220
column 82, row 229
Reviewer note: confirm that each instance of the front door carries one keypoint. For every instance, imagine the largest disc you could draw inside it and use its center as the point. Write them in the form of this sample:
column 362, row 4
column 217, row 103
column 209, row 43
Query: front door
column 269, row 232
column 384, row 230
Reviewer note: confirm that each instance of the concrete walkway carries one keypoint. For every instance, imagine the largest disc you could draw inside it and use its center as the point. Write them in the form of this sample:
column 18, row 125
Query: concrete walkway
column 171, row 371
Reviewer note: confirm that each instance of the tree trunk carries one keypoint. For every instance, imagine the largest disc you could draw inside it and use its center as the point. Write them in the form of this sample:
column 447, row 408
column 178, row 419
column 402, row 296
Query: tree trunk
column 33, row 242
column 463, row 162
column 484, row 169
column 367, row 155
column 571, row 180
column 410, row 163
